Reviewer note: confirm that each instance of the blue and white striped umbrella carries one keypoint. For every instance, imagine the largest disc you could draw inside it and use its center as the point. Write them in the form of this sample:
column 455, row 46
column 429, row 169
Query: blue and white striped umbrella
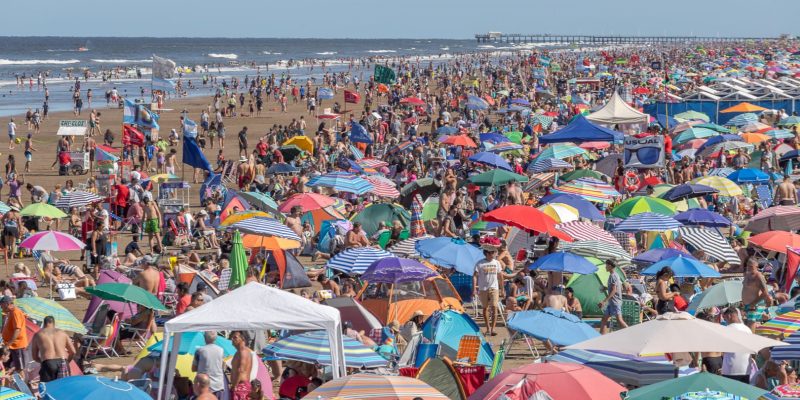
column 78, row 198
column 355, row 261
column 548, row 164
column 265, row 226
column 742, row 119
column 4, row 208
column 342, row 181
column 648, row 221
column 314, row 348
column 790, row 352
column 720, row 172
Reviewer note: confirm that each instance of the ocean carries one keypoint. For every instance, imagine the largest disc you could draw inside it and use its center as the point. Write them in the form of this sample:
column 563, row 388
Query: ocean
column 64, row 58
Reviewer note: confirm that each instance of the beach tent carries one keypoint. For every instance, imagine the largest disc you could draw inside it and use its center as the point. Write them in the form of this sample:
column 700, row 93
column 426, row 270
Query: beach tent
column 582, row 130
column 355, row 313
column 616, row 111
column 442, row 376
column 291, row 271
column 446, row 328
column 233, row 203
column 126, row 310
column 318, row 216
column 254, row 307
column 587, row 288
column 210, row 185
column 389, row 302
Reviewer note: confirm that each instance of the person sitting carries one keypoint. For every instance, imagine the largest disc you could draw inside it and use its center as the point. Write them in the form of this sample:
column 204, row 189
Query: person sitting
column 24, row 291
column 205, row 230
column 141, row 324
column 54, row 275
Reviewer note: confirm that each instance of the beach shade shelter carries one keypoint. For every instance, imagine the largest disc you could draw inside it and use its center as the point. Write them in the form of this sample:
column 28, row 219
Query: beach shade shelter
column 600, row 250
column 777, row 218
column 701, row 381
column 353, row 312
column 442, row 376
column 306, row 201
column 491, row 159
column 90, row 387
column 548, row 164
column 670, row 333
column 390, row 301
column 355, row 261
column 233, row 204
column 383, row 189
column 776, row 241
column 261, row 201
column 265, row 226
column 342, row 182
column 460, row 140
column 688, row 191
column 742, row 119
column 558, row 381
column 743, row 107
column 11, row 394
column 447, row 327
column 407, row 247
column 78, row 198
column 558, row 327
column 52, row 240
column 584, row 173
column 648, row 222
column 692, row 115
column 290, row 270
column 450, row 253
column 624, row 368
column 38, row 308
column 790, row 352
column 702, row 217
column 585, row 208
column 314, row 348
column 381, row 212
column 560, row 212
column 581, row 230
column 749, row 175
column 617, row 111
column 496, row 177
column 711, row 242
column 376, row 387
column 582, row 130
column 722, row 294
column 397, row 270
column 725, row 186
column 653, row 256
column 589, row 189
column 643, row 204
column 42, row 210
column 526, row 218
column 562, row 261
column 588, row 287
column 253, row 306
column 683, row 267
column 781, row 326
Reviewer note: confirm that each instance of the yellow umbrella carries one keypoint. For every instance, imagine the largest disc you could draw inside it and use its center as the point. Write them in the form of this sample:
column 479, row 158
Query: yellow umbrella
column 241, row 216
column 561, row 212
column 183, row 363
column 725, row 186
column 268, row 242
column 302, row 142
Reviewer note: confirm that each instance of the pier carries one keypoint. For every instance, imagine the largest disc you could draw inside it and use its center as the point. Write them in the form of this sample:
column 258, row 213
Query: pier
column 516, row 38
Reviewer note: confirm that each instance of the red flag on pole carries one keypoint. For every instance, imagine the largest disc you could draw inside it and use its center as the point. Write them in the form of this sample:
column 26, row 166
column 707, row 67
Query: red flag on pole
column 351, row 97
column 792, row 261
column 132, row 136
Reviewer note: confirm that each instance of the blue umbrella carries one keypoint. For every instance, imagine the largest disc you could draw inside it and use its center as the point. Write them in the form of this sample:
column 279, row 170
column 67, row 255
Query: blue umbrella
column 314, row 348
column 790, row 352
column 701, row 216
column 476, row 103
column 450, row 253
column 341, row 181
column 790, row 155
column 585, row 208
column 524, row 102
column 355, row 261
column 548, row 164
column 446, row 130
column 355, row 167
column 562, row 261
column 90, row 387
column 683, row 267
column 688, row 191
column 720, row 171
column 493, row 137
column 559, row 327
column 282, row 168
column 397, row 270
column 742, row 119
column 191, row 341
column 648, row 221
column 655, row 255
column 492, row 159
column 749, row 175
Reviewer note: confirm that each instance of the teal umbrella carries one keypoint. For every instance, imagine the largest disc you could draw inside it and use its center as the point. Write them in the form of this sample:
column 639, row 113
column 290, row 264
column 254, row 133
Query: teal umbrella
column 127, row 293
column 695, row 133
column 496, row 177
column 191, row 341
column 374, row 214
column 560, row 151
column 238, row 261
column 261, row 201
column 722, row 294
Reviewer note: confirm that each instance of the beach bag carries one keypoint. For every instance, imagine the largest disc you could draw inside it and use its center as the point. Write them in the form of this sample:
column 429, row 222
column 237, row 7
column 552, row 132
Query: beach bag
column 66, row 291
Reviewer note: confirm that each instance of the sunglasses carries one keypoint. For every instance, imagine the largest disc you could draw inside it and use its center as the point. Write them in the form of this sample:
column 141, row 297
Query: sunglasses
column 645, row 155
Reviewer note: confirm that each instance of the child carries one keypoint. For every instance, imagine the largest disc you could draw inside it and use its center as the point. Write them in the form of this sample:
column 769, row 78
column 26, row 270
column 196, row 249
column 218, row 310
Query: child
column 5, row 374
column 28, row 153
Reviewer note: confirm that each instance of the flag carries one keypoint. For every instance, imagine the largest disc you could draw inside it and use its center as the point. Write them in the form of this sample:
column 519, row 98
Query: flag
column 192, row 154
column 792, row 261
column 128, row 112
column 163, row 71
column 358, row 134
column 189, row 128
column 324, row 93
column 132, row 136
column 162, row 84
column 145, row 118
column 384, row 75
column 351, row 97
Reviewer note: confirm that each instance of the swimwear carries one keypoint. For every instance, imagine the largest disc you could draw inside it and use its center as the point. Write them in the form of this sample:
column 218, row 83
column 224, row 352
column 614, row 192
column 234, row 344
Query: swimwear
column 241, row 391
column 755, row 312
column 51, row 370
column 151, row 226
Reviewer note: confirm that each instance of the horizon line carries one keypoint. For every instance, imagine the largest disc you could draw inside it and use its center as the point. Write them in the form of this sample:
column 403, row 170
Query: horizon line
column 218, row 37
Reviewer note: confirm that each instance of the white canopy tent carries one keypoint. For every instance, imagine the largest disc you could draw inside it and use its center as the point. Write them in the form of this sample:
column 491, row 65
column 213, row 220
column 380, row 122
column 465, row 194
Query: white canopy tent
column 617, row 111
column 253, row 307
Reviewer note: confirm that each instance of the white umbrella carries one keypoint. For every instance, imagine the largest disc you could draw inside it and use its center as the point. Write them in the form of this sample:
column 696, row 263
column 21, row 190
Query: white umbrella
column 677, row 333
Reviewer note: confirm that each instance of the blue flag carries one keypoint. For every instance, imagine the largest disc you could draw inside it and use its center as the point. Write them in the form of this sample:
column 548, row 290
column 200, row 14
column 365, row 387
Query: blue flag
column 358, row 134
column 189, row 128
column 128, row 112
column 192, row 154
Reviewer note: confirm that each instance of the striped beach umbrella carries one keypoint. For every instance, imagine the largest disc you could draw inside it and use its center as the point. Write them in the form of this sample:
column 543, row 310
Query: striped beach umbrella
column 742, row 119
column 629, row 369
column 265, row 226
column 376, row 387
column 648, row 222
column 560, row 212
column 787, row 392
column 581, row 230
column 777, row 218
column 341, row 181
column 38, row 308
column 694, row 133
column 790, row 352
column 78, row 198
column 538, row 180
column 561, row 151
column 782, row 325
column 725, row 186
column 642, row 204
column 52, row 240
column 600, row 250
column 382, row 189
column 779, row 134
column 548, row 164
column 355, row 261
column 372, row 163
column 11, row 394
column 503, row 147
column 314, row 348
column 407, row 248
column 711, row 242
column 724, row 172
column 590, row 189
column 240, row 216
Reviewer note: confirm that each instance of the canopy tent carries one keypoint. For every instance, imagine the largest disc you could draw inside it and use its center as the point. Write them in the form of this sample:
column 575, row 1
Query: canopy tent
column 616, row 111
column 581, row 130
column 254, row 307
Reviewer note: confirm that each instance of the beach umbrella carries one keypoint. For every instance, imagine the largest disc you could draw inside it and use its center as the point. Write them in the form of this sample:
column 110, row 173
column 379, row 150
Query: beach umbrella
column 450, row 253
column 711, row 242
column 584, row 173
column 496, row 177
column 373, row 214
column 77, row 198
column 503, row 147
column 725, row 293
column 191, row 341
column 668, row 389
column 492, row 159
column 561, row 151
column 375, row 387
column 42, row 210
column 372, row 163
column 548, row 164
column 238, row 262
column 585, row 208
column 710, row 145
column 703, row 217
column 715, row 127
column 643, row 204
column 787, row 391
column 382, row 189
column 160, row 178
column 749, row 175
column 594, row 145
column 780, row 326
column 303, row 142
column 776, row 240
column 648, row 222
column 240, row 216
column 559, row 327
column 755, row 138
column 711, row 150
column 623, row 368
column 425, row 187
column 306, row 201
column 683, row 267
column 261, row 201
column 590, row 189
column 560, row 212
column 514, row 137
column 492, row 137
column 753, row 127
column 460, row 140
column 265, row 226
column 290, row 152
column 397, row 270
column 742, row 119
column 790, row 352
column 790, row 120
column 270, row 243
column 655, row 255
column 687, row 191
column 401, row 147
column 38, row 308
column 407, row 247
column 355, row 261
column 90, row 387
column 562, row 261
column 446, row 130
column 52, row 240
column 776, row 218
column 670, row 333
column 725, row 186
column 694, row 133
column 743, row 107
column 526, row 218
column 692, row 115
column 779, row 134
column 412, row 100
column 282, row 168
column 126, row 293
column 11, row 394
column 342, row 182
column 601, row 250
column 581, row 230
column 314, row 348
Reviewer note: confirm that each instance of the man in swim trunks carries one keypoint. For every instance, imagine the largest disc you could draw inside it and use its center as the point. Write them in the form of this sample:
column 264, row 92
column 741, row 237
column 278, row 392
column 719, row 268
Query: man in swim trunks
column 53, row 349
column 152, row 221
column 755, row 293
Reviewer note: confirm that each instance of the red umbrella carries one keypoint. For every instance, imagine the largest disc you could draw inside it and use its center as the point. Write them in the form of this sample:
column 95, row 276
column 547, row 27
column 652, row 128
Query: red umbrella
column 410, row 120
column 488, row 99
column 594, row 145
column 526, row 218
column 460, row 140
column 641, row 90
column 693, row 144
column 307, row 201
column 558, row 380
column 776, row 240
column 650, row 181
column 412, row 100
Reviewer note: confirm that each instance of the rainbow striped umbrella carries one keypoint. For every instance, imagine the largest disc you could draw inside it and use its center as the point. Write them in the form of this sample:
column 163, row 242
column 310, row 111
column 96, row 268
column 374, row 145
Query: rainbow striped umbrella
column 376, row 387
column 11, row 394
column 783, row 325
column 341, row 181
column 38, row 308
column 313, row 347
column 590, row 189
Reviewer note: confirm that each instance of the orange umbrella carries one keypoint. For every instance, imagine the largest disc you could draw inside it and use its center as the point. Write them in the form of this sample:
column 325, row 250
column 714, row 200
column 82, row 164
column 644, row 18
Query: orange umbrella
column 382, row 88
column 754, row 137
column 776, row 240
column 743, row 108
column 268, row 242
column 460, row 140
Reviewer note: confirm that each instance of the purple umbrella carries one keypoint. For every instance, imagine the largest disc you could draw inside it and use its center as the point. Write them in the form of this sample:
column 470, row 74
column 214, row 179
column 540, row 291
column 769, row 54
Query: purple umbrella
column 397, row 270
column 701, row 216
column 656, row 255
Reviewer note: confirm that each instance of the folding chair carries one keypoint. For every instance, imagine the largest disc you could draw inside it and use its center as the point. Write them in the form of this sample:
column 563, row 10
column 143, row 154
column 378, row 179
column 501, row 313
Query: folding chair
column 21, row 385
column 146, row 385
column 468, row 348
column 95, row 325
column 103, row 344
column 631, row 312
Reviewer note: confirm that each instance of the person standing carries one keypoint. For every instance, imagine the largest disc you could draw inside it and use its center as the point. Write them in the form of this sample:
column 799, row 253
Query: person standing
column 152, row 222
column 612, row 303
column 209, row 361
column 243, row 142
column 241, row 367
column 12, row 133
column 14, row 334
column 755, row 293
column 735, row 365
column 486, row 280
column 53, row 349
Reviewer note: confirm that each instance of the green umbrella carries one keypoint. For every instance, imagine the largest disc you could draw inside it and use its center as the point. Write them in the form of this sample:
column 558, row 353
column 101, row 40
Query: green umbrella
column 126, row 293
column 722, row 294
column 640, row 204
column 238, row 261
column 261, row 201
column 42, row 210
column 496, row 177
column 430, row 208
column 584, row 173
column 695, row 382
column 373, row 214
column 515, row 137
column 38, row 308
column 714, row 127
column 692, row 115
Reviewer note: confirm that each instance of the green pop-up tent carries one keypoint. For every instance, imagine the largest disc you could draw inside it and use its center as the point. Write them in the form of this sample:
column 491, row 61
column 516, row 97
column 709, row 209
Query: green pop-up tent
column 587, row 288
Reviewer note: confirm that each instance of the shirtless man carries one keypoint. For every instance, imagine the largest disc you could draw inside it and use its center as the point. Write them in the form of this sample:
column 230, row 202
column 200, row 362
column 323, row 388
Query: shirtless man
column 171, row 161
column 556, row 299
column 201, row 388
column 148, row 278
column 356, row 237
column 785, row 193
column 53, row 349
column 152, row 222
column 293, row 220
column 755, row 293
column 241, row 367
column 514, row 192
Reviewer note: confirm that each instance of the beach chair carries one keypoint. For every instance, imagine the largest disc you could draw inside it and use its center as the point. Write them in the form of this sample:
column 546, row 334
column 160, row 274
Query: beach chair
column 468, row 348
column 229, row 172
column 103, row 344
column 499, row 358
column 95, row 325
column 764, row 196
column 146, row 385
column 20, row 384
column 631, row 312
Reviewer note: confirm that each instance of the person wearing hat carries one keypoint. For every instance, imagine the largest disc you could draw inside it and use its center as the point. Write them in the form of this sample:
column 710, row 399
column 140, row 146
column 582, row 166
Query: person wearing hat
column 413, row 326
column 486, row 280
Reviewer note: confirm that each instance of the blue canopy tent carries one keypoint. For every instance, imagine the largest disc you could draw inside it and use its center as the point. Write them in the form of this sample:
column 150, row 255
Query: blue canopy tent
column 581, row 130
column 446, row 328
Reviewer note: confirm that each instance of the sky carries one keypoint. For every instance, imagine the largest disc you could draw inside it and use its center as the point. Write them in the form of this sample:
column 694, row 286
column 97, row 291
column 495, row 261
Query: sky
column 447, row 19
